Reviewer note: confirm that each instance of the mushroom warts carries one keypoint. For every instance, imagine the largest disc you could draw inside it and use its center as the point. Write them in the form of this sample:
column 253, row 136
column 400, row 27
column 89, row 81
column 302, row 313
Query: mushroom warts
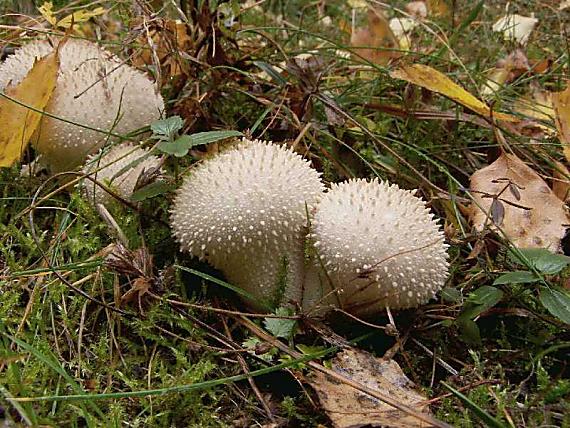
column 374, row 245
column 379, row 246
column 245, row 212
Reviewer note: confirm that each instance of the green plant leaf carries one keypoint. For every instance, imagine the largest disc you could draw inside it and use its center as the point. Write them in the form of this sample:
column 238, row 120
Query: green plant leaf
column 279, row 327
column 181, row 145
column 517, row 277
column 451, row 295
column 178, row 147
column 211, row 137
column 479, row 301
column 168, row 127
column 151, row 190
column 541, row 259
column 557, row 303
column 469, row 331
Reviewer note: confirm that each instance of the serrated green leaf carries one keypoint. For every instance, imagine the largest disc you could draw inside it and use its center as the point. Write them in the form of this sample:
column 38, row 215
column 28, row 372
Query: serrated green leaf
column 167, row 127
column 280, row 327
column 517, row 277
column 556, row 302
column 541, row 259
column 151, row 190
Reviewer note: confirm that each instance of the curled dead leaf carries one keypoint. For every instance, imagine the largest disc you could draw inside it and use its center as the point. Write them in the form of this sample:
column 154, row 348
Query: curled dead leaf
column 531, row 217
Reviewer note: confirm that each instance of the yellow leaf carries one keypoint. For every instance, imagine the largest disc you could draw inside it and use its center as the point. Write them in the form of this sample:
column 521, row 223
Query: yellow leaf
column 46, row 10
column 18, row 123
column 431, row 79
column 561, row 104
column 80, row 16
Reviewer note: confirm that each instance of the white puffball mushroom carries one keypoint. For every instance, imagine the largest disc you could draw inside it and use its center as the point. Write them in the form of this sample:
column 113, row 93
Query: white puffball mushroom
column 245, row 212
column 94, row 88
column 379, row 245
column 119, row 169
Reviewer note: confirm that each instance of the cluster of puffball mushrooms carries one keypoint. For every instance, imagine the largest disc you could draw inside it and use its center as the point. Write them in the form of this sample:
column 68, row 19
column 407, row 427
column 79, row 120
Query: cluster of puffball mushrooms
column 257, row 212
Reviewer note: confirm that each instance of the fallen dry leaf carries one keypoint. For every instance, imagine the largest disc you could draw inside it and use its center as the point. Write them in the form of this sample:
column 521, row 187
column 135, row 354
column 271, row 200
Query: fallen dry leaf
column 515, row 27
column 509, row 194
column 347, row 407
column 169, row 40
column 430, row 78
column 417, row 9
column 18, row 123
column 507, row 69
column 537, row 105
column 376, row 43
column 560, row 182
column 82, row 15
column 561, row 104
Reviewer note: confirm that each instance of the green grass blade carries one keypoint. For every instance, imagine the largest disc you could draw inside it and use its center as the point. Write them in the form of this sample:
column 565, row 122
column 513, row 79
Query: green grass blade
column 485, row 417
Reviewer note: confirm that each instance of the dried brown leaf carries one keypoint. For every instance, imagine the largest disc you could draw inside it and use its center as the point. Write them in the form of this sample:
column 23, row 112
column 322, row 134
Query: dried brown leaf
column 560, row 182
column 561, row 104
column 169, row 41
column 375, row 43
column 537, row 105
column 347, row 407
column 533, row 216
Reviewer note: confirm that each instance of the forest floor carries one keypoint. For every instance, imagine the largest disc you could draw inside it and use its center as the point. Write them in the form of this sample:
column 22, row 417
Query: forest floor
column 161, row 341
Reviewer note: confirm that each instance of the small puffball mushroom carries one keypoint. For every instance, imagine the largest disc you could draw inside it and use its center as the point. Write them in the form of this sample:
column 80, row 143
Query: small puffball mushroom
column 119, row 169
column 245, row 212
column 94, row 88
column 379, row 245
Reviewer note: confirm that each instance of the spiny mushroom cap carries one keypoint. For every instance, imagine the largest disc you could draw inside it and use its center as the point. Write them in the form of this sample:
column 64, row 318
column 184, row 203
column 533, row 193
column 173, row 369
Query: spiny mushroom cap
column 119, row 169
column 245, row 210
column 380, row 245
column 94, row 88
